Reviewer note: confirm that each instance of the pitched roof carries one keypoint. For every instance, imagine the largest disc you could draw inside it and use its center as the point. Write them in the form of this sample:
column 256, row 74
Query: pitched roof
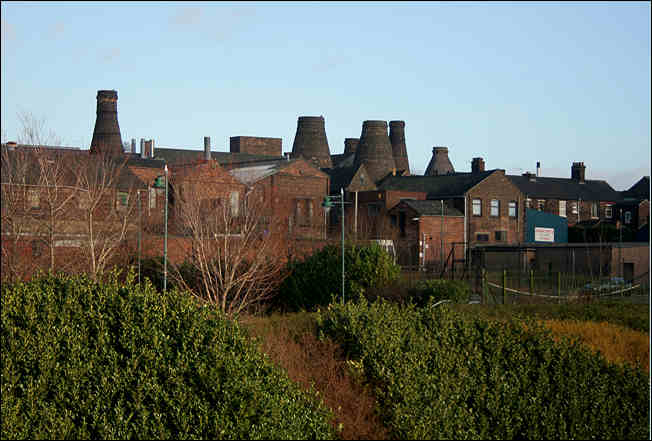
column 640, row 190
column 343, row 160
column 565, row 188
column 429, row 208
column 451, row 185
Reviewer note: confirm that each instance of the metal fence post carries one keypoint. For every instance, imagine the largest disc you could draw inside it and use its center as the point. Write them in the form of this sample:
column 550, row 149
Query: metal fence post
column 531, row 281
column 504, row 283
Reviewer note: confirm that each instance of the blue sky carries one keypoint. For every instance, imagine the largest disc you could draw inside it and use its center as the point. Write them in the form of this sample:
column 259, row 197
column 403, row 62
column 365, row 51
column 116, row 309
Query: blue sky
column 514, row 83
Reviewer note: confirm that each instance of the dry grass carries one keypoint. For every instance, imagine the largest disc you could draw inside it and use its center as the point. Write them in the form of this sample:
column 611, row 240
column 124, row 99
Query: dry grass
column 290, row 342
column 617, row 343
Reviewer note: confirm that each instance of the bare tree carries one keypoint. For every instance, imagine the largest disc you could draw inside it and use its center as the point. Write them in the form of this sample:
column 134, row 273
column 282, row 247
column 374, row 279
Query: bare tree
column 236, row 251
column 106, row 199
column 55, row 180
column 17, row 222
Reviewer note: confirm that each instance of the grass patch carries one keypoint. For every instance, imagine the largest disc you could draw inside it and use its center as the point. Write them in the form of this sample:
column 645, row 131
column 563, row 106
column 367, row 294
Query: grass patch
column 616, row 343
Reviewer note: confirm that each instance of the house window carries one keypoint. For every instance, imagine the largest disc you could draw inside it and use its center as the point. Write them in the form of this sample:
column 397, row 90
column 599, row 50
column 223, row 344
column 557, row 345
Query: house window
column 608, row 212
column 513, row 212
column 594, row 209
column 501, row 236
column 482, row 237
column 574, row 208
column 477, row 207
column 528, row 203
column 562, row 208
column 628, row 217
column 235, row 203
column 122, row 200
column 495, row 207
column 33, row 199
column 393, row 220
column 541, row 204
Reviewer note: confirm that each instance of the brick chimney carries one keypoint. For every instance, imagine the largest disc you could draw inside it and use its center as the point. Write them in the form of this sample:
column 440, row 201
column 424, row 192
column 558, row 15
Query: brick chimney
column 375, row 150
column 351, row 145
column 399, row 150
column 440, row 164
column 106, row 135
column 311, row 142
column 578, row 172
column 207, row 148
column 477, row 165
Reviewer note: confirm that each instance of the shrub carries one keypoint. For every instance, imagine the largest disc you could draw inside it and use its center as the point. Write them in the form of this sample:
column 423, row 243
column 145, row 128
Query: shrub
column 316, row 280
column 119, row 361
column 435, row 290
column 441, row 375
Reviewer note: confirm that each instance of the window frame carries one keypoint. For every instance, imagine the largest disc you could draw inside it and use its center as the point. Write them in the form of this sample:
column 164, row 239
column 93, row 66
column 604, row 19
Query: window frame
column 476, row 203
column 562, row 204
column 512, row 209
column 494, row 207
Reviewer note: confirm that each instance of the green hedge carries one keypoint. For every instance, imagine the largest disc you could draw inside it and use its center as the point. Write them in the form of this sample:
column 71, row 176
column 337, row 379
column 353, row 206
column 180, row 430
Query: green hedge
column 435, row 290
column 441, row 375
column 314, row 281
column 114, row 361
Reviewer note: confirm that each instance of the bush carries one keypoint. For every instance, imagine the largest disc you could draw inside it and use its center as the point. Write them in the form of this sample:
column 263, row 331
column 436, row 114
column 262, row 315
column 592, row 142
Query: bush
column 316, row 280
column 120, row 361
column 441, row 375
column 434, row 290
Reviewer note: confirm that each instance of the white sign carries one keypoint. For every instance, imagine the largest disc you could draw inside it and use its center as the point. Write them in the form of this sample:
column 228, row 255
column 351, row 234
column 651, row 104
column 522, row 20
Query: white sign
column 544, row 234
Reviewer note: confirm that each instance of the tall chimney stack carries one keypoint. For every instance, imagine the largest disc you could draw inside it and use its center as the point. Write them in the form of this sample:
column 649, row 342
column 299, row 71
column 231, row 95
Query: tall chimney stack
column 538, row 169
column 577, row 171
column 310, row 141
column 375, row 150
column 143, row 153
column 477, row 165
column 207, row 148
column 133, row 145
column 106, row 135
column 399, row 150
column 439, row 164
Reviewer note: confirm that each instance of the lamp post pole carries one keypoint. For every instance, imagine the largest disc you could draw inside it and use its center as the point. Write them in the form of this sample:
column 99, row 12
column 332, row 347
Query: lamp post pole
column 342, row 199
column 140, row 228
column 165, row 240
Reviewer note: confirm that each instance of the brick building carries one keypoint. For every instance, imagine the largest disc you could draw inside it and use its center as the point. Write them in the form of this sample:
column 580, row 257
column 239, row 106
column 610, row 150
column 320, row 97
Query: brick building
column 440, row 215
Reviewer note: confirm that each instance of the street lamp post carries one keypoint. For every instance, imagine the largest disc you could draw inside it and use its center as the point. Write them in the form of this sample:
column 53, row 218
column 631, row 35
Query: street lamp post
column 165, row 240
column 342, row 199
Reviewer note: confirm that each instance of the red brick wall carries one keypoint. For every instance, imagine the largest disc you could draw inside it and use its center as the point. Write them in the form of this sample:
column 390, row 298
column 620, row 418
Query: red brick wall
column 289, row 194
column 437, row 235
column 257, row 145
column 495, row 186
